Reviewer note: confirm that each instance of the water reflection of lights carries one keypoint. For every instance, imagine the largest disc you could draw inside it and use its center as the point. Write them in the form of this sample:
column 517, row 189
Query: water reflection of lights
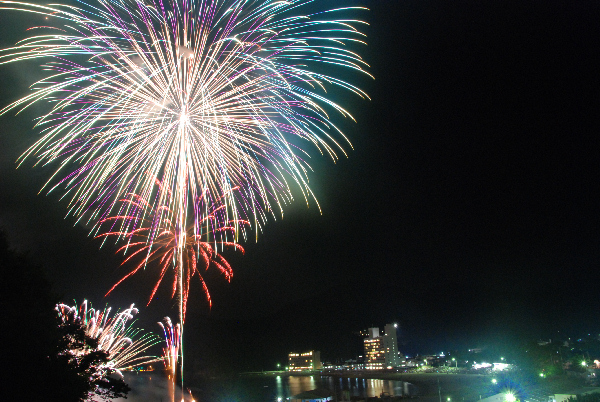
column 285, row 386
column 279, row 386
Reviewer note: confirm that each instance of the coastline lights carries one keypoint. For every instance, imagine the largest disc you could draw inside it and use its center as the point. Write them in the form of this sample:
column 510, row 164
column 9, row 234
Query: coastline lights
column 478, row 366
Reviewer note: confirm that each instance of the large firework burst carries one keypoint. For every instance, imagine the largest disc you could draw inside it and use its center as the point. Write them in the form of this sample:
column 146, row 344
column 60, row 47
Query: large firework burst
column 206, row 95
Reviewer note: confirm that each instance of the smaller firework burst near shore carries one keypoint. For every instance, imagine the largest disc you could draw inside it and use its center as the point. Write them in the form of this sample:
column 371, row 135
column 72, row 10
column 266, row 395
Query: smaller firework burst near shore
column 116, row 336
column 172, row 345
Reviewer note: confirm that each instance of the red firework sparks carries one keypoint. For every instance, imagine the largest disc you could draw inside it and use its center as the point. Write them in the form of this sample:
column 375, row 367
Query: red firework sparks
column 156, row 240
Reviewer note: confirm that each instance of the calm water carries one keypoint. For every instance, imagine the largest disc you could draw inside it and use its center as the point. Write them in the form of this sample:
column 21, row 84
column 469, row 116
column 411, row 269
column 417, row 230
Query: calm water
column 154, row 387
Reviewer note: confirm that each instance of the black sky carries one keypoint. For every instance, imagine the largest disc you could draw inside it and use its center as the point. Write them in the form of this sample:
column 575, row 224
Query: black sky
column 467, row 210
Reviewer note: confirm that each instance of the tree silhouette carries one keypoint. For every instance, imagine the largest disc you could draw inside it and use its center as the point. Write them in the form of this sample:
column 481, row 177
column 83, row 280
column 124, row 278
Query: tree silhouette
column 46, row 359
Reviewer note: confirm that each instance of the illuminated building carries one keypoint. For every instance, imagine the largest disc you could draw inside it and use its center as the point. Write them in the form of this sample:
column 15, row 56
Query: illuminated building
column 375, row 359
column 381, row 351
column 304, row 361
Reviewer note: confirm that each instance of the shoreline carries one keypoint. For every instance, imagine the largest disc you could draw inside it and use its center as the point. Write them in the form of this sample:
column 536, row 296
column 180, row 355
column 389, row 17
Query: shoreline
column 437, row 387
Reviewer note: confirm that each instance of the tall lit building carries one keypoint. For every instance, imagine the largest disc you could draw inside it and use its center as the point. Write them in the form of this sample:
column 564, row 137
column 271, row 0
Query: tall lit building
column 390, row 345
column 304, row 361
column 381, row 351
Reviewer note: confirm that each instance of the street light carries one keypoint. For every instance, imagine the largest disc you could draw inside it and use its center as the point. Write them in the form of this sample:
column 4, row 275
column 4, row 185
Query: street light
column 510, row 397
column 454, row 360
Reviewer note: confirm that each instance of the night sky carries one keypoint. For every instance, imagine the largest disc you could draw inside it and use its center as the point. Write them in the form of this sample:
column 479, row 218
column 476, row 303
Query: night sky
column 467, row 211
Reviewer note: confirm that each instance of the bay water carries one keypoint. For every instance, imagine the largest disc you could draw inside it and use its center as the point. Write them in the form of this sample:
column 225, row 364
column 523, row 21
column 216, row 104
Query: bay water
column 154, row 386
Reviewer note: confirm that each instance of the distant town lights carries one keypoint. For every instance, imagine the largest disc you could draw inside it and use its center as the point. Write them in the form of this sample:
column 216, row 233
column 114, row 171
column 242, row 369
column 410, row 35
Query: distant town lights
column 481, row 365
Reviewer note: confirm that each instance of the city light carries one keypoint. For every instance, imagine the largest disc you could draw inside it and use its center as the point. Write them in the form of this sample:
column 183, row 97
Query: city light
column 481, row 365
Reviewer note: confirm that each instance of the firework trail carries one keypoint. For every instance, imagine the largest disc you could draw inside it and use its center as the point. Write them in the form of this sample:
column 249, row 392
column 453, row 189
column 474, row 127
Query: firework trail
column 117, row 337
column 172, row 344
column 204, row 240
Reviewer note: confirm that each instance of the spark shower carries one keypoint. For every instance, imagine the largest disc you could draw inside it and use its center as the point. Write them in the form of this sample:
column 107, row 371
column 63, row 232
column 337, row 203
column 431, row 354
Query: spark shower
column 162, row 112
